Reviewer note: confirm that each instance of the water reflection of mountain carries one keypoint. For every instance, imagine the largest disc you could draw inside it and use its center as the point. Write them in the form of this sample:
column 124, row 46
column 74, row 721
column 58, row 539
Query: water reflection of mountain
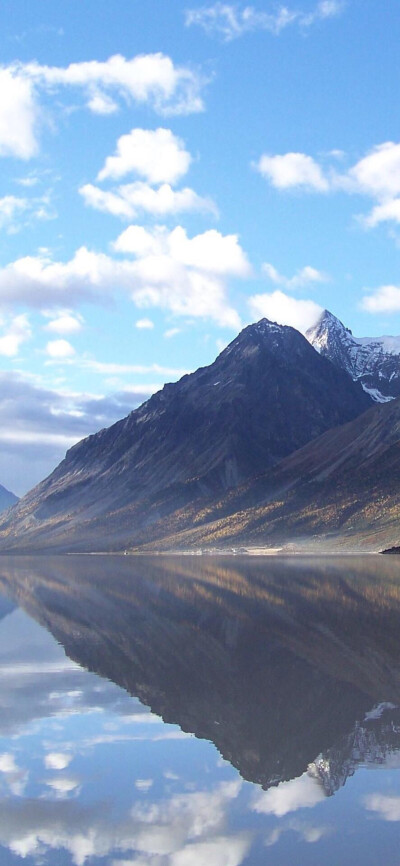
column 275, row 661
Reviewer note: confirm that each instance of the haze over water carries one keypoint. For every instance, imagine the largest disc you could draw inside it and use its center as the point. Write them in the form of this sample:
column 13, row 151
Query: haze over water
column 183, row 711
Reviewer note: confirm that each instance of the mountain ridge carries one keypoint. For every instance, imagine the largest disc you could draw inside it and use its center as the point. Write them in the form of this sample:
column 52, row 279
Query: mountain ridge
column 372, row 361
column 265, row 396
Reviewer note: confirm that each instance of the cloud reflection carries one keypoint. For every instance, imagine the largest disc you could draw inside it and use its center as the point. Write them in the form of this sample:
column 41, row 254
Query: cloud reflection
column 302, row 793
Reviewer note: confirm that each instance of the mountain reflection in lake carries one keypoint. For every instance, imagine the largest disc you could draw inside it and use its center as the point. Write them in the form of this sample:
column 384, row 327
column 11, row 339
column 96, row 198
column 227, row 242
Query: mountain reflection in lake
column 287, row 672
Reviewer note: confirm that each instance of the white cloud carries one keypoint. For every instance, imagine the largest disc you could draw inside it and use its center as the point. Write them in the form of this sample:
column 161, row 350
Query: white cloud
column 388, row 211
column 378, row 173
column 171, row 271
column 385, row 299
column 308, row 833
column 323, row 10
column 184, row 275
column 17, row 331
column 157, row 155
column 284, row 310
column 64, row 785
column 17, row 212
column 301, row 793
column 10, row 207
column 230, row 21
column 144, row 784
column 38, row 281
column 182, row 831
column 290, row 170
column 60, row 349
column 128, row 200
column 19, row 115
column 303, row 277
column 65, row 323
column 100, row 103
column 386, row 806
column 7, row 763
column 171, row 332
column 220, row 851
column 210, row 251
column 57, row 760
column 151, row 79
column 144, row 324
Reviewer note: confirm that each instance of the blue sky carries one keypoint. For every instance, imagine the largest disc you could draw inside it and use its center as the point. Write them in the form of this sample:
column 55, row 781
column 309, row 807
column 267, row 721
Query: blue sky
column 171, row 172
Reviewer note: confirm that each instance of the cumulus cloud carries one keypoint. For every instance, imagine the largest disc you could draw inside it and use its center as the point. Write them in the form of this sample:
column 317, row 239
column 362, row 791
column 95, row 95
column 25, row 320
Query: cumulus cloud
column 230, row 21
column 180, row 830
column 66, row 322
column 147, row 78
column 144, row 324
column 10, row 208
column 151, row 79
column 17, row 212
column 210, row 251
column 290, row 170
column 16, row 331
column 388, row 211
column 303, row 277
column 60, row 349
column 285, row 310
column 376, row 175
column 157, row 155
column 57, row 760
column 302, row 793
column 128, row 200
column 386, row 806
column 307, row 833
column 186, row 276
column 19, row 115
column 385, row 299
column 64, row 786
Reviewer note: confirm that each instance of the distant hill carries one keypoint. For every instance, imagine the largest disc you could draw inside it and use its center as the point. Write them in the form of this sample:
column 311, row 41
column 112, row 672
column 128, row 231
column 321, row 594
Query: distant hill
column 7, row 498
column 266, row 395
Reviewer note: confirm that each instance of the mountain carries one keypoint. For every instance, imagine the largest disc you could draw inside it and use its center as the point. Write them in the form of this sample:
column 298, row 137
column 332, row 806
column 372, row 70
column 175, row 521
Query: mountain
column 340, row 491
column 372, row 361
column 7, row 499
column 266, row 395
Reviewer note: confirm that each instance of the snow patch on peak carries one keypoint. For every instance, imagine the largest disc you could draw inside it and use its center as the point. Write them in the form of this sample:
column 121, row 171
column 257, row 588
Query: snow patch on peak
column 372, row 361
column 390, row 345
column 376, row 395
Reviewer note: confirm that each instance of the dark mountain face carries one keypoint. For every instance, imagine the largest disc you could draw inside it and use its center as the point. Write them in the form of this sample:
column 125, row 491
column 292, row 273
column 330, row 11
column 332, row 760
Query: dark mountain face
column 266, row 395
column 372, row 361
column 340, row 489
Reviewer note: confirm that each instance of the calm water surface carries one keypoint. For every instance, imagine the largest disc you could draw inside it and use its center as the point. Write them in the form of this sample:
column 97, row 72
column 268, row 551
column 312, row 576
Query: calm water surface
column 199, row 711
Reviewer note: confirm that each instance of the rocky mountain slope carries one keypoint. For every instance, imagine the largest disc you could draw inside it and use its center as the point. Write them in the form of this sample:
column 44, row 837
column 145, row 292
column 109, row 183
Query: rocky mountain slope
column 266, row 395
column 342, row 489
column 372, row 361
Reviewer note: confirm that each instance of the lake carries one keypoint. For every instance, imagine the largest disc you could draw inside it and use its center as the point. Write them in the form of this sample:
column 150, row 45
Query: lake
column 199, row 711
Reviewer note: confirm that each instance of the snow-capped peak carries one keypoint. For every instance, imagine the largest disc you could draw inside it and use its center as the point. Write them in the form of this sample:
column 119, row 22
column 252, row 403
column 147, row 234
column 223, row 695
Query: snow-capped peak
column 373, row 361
